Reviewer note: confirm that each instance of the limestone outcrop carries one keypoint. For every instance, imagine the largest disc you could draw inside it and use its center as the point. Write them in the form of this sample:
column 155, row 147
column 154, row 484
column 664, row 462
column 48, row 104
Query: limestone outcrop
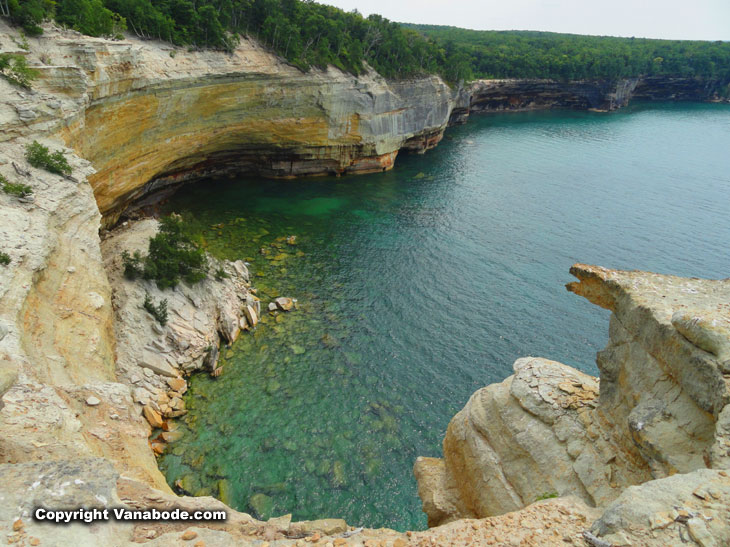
column 520, row 94
column 653, row 426
column 153, row 358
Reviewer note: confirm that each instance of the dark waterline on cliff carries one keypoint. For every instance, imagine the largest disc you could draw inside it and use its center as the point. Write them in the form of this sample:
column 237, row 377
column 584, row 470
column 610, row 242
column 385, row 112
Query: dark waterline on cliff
column 420, row 285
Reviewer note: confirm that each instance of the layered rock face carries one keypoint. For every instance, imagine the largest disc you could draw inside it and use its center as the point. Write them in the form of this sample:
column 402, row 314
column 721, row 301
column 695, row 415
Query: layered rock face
column 80, row 361
column 147, row 115
column 656, row 418
column 666, row 88
column 514, row 94
column 603, row 95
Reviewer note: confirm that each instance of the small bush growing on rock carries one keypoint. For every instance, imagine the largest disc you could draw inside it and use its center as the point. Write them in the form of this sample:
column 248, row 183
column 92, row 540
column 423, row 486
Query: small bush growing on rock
column 133, row 265
column 221, row 274
column 15, row 69
column 173, row 255
column 4, row 259
column 547, row 496
column 22, row 42
column 17, row 190
column 158, row 311
column 39, row 156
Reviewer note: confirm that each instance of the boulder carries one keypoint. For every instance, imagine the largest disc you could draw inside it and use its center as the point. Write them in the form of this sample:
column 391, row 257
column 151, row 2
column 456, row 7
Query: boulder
column 152, row 416
column 548, row 430
column 671, row 511
column 284, row 303
column 156, row 363
column 177, row 384
column 240, row 267
column 251, row 316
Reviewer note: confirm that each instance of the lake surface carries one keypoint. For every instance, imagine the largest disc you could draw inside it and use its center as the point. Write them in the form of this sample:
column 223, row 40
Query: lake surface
column 418, row 286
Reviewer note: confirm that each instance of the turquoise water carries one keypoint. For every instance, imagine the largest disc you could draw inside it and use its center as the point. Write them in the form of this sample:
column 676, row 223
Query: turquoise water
column 420, row 285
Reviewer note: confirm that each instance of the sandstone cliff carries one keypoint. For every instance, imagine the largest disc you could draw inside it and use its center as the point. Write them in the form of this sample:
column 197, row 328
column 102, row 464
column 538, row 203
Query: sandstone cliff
column 600, row 95
column 656, row 418
column 79, row 361
column 147, row 114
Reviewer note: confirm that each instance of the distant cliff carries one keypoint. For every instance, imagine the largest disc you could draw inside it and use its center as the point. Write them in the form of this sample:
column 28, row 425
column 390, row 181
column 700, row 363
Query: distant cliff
column 602, row 95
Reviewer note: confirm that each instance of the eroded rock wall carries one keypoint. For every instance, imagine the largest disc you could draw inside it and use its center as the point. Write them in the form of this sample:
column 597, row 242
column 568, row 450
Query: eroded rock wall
column 659, row 409
column 520, row 94
column 147, row 115
column 132, row 117
column 601, row 95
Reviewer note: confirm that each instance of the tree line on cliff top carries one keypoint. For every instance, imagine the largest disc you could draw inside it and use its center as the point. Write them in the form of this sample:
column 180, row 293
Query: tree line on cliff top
column 530, row 54
column 309, row 34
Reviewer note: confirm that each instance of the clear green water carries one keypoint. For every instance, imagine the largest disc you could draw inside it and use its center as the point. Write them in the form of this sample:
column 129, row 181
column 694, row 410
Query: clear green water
column 418, row 286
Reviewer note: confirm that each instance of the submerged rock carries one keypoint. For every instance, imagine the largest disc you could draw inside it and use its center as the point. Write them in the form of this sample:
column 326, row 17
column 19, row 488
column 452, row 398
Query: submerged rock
column 284, row 303
column 261, row 505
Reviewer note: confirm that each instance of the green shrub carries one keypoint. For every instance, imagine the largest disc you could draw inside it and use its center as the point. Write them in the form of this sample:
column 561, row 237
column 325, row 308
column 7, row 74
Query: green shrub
column 15, row 69
column 18, row 190
column 221, row 274
column 4, row 259
column 158, row 311
column 133, row 265
column 547, row 496
column 172, row 256
column 39, row 156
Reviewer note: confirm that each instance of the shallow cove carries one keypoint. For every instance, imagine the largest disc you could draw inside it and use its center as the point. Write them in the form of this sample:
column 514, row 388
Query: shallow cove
column 420, row 285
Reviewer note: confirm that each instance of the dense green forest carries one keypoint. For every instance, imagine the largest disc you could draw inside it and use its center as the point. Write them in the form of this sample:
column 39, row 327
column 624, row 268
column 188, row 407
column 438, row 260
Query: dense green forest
column 310, row 34
column 528, row 54
column 304, row 32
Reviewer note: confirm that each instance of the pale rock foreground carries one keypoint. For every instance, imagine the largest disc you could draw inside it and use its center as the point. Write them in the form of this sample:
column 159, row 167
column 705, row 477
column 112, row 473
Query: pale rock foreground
column 649, row 443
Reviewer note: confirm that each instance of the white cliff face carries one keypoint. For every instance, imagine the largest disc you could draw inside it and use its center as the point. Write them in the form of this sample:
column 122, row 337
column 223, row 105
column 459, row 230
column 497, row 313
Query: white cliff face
column 152, row 358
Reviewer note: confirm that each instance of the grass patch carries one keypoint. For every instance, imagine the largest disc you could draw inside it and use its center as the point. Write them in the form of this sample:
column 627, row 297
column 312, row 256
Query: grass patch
column 220, row 274
column 547, row 496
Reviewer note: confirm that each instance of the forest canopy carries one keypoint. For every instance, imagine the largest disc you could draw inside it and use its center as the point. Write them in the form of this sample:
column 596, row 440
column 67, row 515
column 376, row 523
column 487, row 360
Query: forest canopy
column 530, row 54
column 305, row 33
column 309, row 34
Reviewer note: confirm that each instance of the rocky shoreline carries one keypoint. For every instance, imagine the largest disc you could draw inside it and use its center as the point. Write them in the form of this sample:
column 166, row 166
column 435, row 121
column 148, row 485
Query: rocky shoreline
column 643, row 443
column 84, row 371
